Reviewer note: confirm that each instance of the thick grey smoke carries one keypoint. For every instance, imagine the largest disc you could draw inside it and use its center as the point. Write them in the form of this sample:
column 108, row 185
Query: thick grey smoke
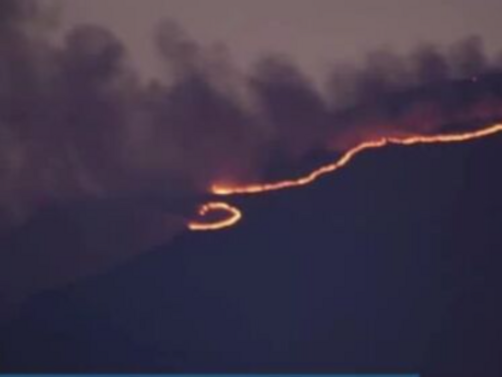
column 79, row 127
column 77, row 122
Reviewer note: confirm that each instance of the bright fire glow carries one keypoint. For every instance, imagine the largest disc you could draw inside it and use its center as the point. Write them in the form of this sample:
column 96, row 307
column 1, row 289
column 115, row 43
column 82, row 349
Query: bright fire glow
column 234, row 215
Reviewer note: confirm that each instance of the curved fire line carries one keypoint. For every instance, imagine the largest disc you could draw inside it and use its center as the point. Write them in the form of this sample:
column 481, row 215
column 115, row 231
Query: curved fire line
column 233, row 214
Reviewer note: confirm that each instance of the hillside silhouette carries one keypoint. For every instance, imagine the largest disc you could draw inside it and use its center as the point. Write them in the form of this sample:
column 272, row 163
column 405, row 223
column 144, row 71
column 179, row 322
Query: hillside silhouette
column 390, row 265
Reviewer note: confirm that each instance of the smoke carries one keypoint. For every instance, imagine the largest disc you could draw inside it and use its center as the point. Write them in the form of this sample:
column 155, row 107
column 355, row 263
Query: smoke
column 78, row 122
column 79, row 125
column 432, row 90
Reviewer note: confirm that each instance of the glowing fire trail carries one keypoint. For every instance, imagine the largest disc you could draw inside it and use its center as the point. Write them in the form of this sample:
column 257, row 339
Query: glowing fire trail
column 234, row 215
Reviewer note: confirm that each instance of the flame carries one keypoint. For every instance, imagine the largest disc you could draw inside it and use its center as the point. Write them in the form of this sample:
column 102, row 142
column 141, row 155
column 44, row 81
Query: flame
column 234, row 215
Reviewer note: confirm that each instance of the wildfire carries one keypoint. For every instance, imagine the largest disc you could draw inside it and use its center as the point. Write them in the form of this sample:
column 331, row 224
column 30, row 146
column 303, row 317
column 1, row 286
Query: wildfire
column 234, row 215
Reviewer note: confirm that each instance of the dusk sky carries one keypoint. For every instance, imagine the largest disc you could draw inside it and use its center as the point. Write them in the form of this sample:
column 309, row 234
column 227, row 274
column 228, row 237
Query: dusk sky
column 314, row 32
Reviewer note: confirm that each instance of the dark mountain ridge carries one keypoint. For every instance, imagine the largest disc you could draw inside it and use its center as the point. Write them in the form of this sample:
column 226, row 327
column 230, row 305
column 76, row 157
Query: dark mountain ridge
column 389, row 265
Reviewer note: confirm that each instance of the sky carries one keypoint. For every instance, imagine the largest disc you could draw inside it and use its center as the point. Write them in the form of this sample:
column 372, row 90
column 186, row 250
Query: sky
column 314, row 32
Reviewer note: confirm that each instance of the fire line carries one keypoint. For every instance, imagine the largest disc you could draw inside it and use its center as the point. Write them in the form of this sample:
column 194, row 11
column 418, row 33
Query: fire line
column 233, row 215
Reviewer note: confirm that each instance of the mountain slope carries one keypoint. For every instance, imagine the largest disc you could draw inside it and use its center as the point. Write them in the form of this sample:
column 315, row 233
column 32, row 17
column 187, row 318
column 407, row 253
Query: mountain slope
column 391, row 265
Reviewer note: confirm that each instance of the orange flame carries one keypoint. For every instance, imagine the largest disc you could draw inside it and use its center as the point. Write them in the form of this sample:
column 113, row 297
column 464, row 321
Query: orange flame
column 234, row 215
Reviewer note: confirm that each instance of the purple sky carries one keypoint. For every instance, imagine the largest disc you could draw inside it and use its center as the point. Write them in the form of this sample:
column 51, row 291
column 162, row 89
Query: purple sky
column 315, row 32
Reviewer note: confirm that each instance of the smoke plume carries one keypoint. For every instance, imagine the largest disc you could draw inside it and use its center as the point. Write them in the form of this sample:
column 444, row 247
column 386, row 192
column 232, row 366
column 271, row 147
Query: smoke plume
column 79, row 127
